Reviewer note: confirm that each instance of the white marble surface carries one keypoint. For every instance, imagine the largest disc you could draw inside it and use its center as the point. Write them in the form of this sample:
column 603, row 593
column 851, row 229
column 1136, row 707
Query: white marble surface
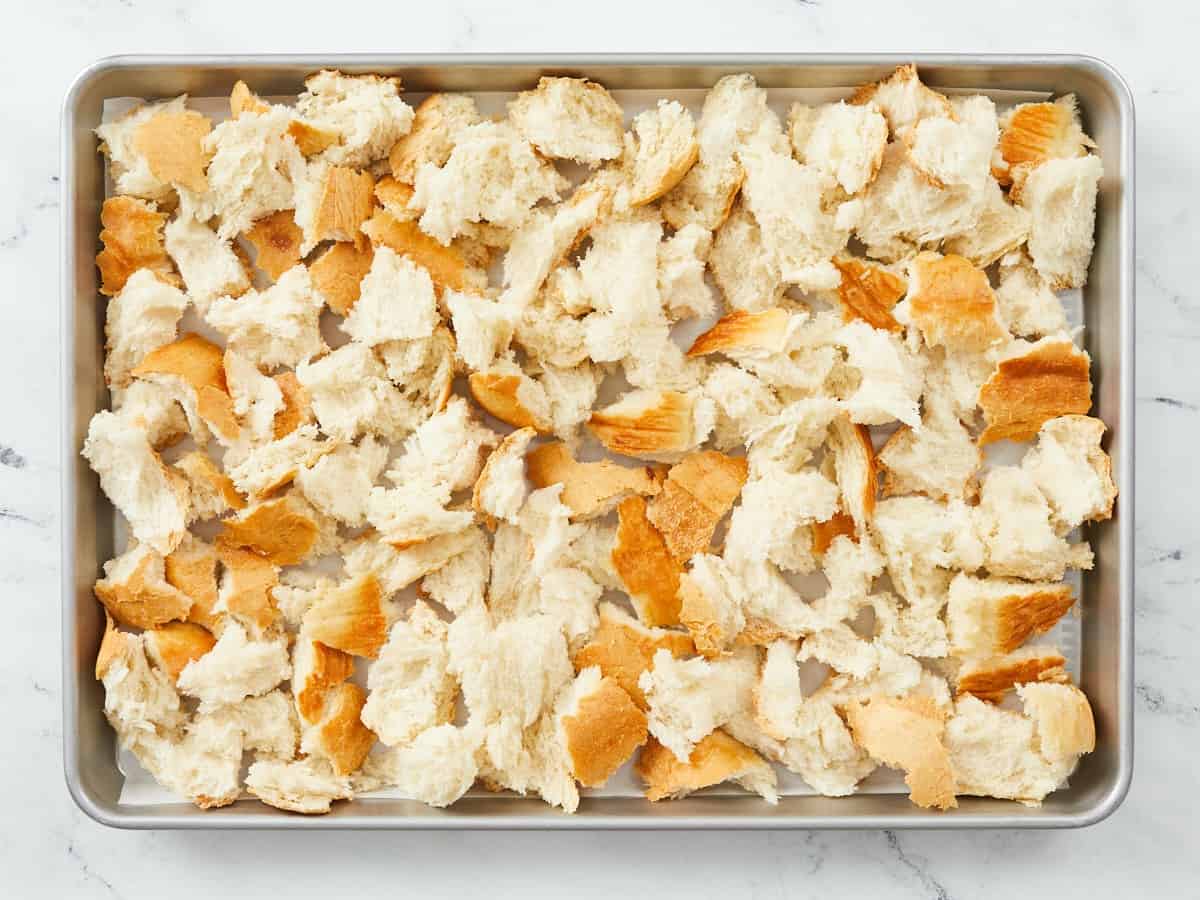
column 48, row 848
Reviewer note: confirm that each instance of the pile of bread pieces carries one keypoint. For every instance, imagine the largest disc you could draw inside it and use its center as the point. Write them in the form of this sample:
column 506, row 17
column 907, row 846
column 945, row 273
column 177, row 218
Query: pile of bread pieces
column 385, row 533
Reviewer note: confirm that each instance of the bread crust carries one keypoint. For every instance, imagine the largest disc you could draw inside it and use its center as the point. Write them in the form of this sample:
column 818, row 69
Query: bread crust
column 740, row 330
column 825, row 532
column 337, row 275
column 297, row 405
column 990, row 679
column 346, row 200
column 856, row 468
column 906, row 733
column 952, row 303
column 446, row 266
column 132, row 234
column 645, row 565
column 113, row 646
column 142, row 599
column 277, row 529
column 175, row 644
column 698, row 614
column 868, row 292
column 192, row 568
column 326, row 668
column 1022, row 616
column 497, row 394
column 589, row 488
column 696, row 495
column 243, row 100
column 342, row 736
column 604, row 732
column 172, row 145
column 624, row 649
column 201, row 365
column 1050, row 380
column 247, row 584
column 276, row 240
column 664, row 427
column 716, row 759
column 350, row 618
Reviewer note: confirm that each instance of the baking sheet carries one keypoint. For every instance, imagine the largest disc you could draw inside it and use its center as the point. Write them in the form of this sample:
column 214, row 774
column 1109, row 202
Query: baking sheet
column 140, row 788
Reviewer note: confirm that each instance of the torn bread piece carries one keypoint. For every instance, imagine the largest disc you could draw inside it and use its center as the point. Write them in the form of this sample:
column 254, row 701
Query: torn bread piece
column 590, row 489
column 990, row 678
column 192, row 568
column 715, row 759
column 492, row 175
column 152, row 498
column 771, row 523
column 845, row 141
column 955, row 151
column 350, row 618
column 447, row 266
column 1032, row 133
column 339, row 483
column 396, row 302
column 352, row 395
column 280, row 530
column 332, row 203
column 1024, row 302
column 141, row 318
column 952, row 304
column 483, row 329
column 744, row 405
column 337, row 275
column 1071, row 470
column 306, row 786
column 681, row 266
column 766, row 332
column 1034, row 383
column 500, row 490
column 153, row 409
column 903, row 99
column 855, row 469
column 437, row 122
column 665, row 149
column 365, row 112
column 624, row 648
column 940, row 461
column 246, row 593
column 396, row 569
column 410, row 688
column 735, row 115
column 212, row 492
column 1016, row 524
column 193, row 369
column 135, row 592
column 990, row 617
column 447, row 448
column 601, row 726
column 257, row 399
column 235, row 668
column 210, row 265
column 570, row 118
column 648, row 571
column 316, row 670
column 1002, row 228
column 266, row 469
column 297, row 405
column 1019, row 756
column 154, row 147
column 711, row 605
column 869, row 292
column 659, row 425
column 745, row 271
column 339, row 735
column 1060, row 195
column 278, row 326
column 697, row 493
column 276, row 240
column 907, row 734
column 511, row 396
column 437, row 768
column 891, row 376
column 132, row 234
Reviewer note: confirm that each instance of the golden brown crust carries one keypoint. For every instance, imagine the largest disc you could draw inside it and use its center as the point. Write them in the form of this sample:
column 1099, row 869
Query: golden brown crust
column 645, row 565
column 309, row 138
column 342, row 735
column 824, row 532
column 113, row 646
column 393, row 196
column 201, row 365
column 1035, row 133
column 328, row 668
column 172, row 145
column 623, row 651
column 276, row 529
column 518, row 438
column 141, row 601
column 1022, row 616
column 243, row 100
column 990, row 679
column 1025, row 391
column 698, row 615
column 205, row 467
column 679, row 167
column 132, row 234
column 869, row 292
column 176, row 644
column 429, row 125
column 497, row 394
column 350, row 618
column 248, row 584
column 714, row 760
column 906, row 733
column 192, row 568
column 297, row 405
column 604, row 732
column 953, row 304
column 338, row 273
column 697, row 494
column 276, row 240
column 740, row 330
column 855, row 463
column 758, row 632
column 589, row 488
column 445, row 265
column 665, row 427
column 345, row 202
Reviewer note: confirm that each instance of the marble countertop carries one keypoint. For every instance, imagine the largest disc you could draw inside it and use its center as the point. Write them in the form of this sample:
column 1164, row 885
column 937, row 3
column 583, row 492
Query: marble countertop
column 48, row 847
